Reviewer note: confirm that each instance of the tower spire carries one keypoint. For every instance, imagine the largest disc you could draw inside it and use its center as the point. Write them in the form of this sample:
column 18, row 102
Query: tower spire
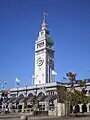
column 44, row 23
column 45, row 14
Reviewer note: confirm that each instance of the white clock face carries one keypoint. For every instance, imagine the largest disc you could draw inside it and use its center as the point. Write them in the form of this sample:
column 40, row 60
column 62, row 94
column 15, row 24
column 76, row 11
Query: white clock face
column 40, row 61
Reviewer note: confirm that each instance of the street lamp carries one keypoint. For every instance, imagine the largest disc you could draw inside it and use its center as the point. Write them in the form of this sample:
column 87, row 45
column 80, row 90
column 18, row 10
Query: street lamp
column 3, row 94
column 2, row 84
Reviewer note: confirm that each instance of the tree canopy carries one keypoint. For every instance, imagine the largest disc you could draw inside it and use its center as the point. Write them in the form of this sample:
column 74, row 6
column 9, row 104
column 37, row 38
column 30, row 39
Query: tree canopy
column 76, row 96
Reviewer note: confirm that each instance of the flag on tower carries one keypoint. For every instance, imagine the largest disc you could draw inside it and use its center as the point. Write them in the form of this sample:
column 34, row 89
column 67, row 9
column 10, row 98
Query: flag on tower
column 33, row 77
column 54, row 73
column 45, row 13
column 17, row 81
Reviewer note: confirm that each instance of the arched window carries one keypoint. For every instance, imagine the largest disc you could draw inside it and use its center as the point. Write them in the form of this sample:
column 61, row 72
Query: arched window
column 84, row 108
column 30, row 95
column 89, row 91
column 21, row 95
column 77, row 108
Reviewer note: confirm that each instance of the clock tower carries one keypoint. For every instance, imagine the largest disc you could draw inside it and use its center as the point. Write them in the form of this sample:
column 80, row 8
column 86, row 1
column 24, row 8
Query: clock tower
column 44, row 56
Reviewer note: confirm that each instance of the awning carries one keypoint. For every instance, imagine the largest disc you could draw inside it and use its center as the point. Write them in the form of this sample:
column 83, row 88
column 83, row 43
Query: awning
column 11, row 100
column 6, row 100
column 30, row 99
column 24, row 99
column 41, row 98
column 51, row 98
column 17, row 99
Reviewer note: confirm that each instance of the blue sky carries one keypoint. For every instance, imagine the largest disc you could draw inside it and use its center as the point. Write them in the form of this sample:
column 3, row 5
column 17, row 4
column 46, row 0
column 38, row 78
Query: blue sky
column 20, row 22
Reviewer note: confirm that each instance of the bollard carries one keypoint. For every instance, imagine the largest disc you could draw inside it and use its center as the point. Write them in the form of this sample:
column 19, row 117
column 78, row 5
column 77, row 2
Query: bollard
column 23, row 117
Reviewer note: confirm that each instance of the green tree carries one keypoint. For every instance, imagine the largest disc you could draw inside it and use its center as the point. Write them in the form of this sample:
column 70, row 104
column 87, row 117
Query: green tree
column 76, row 96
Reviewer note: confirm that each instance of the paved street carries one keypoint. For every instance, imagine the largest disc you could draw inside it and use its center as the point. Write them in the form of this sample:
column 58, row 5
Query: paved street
column 44, row 118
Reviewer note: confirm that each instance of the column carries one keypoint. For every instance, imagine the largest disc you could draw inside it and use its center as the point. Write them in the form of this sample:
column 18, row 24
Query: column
column 88, row 107
column 80, row 106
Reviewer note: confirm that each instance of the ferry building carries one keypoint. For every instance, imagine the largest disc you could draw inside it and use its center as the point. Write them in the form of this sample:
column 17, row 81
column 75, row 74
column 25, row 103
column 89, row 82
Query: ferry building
column 45, row 96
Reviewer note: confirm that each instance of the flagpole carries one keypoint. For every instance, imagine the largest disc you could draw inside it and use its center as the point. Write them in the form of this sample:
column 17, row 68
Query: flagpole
column 32, row 81
column 44, row 16
column 15, row 83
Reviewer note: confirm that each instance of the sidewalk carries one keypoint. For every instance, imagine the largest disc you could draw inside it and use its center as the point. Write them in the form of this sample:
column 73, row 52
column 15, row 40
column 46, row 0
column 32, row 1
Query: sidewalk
column 17, row 117
column 42, row 117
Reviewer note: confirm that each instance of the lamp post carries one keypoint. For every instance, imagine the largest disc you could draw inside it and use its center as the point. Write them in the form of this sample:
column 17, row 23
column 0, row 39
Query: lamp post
column 17, row 97
column 3, row 87
column 2, row 84
column 17, row 88
column 17, row 91
column 3, row 94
